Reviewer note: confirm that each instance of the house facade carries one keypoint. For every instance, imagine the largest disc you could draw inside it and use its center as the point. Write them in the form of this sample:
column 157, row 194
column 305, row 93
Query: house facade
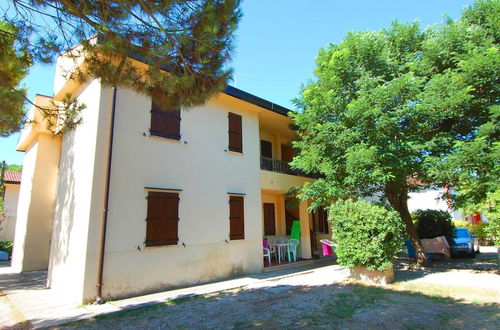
column 186, row 196
column 12, row 182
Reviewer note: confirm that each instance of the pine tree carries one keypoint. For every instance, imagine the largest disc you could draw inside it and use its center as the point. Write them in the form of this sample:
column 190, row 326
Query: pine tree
column 185, row 44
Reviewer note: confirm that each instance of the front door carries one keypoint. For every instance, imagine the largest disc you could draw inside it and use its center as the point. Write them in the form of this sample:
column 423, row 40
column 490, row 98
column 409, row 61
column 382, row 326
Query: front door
column 319, row 230
column 269, row 219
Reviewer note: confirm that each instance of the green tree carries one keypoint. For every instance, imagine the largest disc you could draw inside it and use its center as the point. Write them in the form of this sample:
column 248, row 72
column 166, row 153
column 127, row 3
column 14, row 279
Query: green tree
column 14, row 167
column 191, row 40
column 13, row 69
column 387, row 108
column 472, row 168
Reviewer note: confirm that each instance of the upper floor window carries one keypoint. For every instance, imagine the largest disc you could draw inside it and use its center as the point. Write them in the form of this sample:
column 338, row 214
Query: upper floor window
column 235, row 132
column 266, row 149
column 162, row 220
column 165, row 123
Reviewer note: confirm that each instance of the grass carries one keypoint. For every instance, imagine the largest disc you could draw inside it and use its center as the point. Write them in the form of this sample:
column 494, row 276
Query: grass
column 442, row 293
column 344, row 305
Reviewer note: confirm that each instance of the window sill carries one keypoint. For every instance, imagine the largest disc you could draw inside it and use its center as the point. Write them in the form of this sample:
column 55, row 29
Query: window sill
column 159, row 247
column 235, row 153
column 161, row 138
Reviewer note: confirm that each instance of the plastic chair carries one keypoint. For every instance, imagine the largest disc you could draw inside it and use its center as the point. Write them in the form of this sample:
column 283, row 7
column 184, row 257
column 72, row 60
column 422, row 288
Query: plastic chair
column 295, row 232
column 267, row 250
column 292, row 249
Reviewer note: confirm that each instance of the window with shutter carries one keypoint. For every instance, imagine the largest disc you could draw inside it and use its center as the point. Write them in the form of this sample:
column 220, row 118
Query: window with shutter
column 162, row 219
column 235, row 132
column 236, row 218
column 165, row 123
column 269, row 219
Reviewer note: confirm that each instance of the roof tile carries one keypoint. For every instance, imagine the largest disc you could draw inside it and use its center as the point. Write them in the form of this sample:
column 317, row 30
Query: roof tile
column 12, row 177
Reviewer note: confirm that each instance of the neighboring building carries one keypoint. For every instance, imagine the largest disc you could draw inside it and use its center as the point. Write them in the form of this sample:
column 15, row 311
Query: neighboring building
column 12, row 182
column 432, row 199
column 192, row 193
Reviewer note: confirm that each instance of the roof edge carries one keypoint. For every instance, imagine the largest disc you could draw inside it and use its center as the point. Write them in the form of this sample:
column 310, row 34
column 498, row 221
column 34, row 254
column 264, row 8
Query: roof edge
column 250, row 98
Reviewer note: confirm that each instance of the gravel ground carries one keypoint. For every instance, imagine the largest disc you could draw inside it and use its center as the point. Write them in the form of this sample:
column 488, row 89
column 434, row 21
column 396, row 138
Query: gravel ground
column 322, row 298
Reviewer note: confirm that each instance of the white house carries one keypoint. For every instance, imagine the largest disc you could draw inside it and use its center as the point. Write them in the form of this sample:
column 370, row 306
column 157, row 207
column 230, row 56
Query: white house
column 12, row 182
column 138, row 199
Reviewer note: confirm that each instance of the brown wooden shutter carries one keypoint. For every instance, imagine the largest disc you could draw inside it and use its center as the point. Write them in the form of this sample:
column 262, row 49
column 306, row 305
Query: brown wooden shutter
column 269, row 219
column 165, row 123
column 235, row 132
column 163, row 218
column 266, row 149
column 287, row 153
column 236, row 218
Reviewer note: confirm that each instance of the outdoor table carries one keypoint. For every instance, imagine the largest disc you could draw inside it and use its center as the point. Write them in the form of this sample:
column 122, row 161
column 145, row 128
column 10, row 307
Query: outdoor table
column 279, row 246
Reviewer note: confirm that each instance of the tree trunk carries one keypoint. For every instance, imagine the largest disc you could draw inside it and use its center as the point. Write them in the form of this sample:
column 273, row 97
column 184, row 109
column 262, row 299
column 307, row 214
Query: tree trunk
column 398, row 198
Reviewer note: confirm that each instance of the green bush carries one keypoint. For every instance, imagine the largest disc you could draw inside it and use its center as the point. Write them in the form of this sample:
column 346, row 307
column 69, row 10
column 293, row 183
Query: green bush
column 492, row 230
column 6, row 246
column 434, row 223
column 462, row 223
column 366, row 234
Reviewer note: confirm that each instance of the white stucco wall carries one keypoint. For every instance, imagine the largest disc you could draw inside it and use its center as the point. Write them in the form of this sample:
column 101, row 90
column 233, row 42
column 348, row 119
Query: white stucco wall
column 68, row 254
column 35, row 209
column 431, row 199
column 8, row 226
column 65, row 65
column 199, row 165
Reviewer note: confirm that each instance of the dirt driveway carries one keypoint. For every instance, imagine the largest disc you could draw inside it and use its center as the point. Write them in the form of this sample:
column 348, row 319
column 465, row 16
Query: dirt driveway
column 438, row 296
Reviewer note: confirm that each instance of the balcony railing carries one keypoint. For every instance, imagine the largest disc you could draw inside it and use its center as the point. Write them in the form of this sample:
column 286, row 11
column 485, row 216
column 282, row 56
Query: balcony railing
column 280, row 166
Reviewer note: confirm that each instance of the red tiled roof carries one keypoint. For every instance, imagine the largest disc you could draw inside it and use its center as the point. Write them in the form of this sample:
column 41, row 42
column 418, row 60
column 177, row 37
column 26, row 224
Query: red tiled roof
column 12, row 177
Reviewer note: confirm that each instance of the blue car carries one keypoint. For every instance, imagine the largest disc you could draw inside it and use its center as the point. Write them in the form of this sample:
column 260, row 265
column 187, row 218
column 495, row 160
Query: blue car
column 465, row 242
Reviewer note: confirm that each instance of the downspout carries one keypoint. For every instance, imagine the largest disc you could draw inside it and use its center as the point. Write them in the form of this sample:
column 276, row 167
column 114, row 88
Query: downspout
column 104, row 221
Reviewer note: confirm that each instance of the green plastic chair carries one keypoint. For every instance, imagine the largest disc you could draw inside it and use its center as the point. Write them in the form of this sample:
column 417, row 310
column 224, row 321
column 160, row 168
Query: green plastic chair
column 295, row 232
column 294, row 240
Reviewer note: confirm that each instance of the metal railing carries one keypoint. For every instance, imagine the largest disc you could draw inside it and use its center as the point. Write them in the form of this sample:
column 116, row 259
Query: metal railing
column 280, row 166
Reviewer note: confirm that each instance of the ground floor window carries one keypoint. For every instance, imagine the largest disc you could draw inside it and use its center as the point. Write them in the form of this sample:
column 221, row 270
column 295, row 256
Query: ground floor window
column 236, row 217
column 162, row 221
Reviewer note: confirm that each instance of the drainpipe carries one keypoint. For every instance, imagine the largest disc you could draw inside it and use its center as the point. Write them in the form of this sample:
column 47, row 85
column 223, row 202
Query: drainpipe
column 104, row 221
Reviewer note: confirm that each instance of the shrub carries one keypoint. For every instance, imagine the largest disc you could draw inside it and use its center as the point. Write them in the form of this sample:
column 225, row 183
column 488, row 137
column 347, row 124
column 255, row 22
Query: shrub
column 462, row 223
column 366, row 234
column 6, row 246
column 434, row 223
column 492, row 230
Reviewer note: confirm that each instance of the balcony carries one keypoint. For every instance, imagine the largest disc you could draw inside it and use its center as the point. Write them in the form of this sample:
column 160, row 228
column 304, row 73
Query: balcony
column 280, row 166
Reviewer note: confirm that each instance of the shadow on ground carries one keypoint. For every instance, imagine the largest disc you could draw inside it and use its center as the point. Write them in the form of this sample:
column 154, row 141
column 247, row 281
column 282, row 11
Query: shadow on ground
column 347, row 305
column 291, row 303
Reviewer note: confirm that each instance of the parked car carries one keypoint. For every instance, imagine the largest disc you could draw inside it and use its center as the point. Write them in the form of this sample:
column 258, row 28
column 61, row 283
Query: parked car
column 465, row 241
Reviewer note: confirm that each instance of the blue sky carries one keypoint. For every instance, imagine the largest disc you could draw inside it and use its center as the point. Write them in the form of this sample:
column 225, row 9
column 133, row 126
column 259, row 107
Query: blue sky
column 278, row 40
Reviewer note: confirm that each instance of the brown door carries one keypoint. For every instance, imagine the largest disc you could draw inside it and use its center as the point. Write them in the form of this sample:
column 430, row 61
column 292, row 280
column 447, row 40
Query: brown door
column 269, row 219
